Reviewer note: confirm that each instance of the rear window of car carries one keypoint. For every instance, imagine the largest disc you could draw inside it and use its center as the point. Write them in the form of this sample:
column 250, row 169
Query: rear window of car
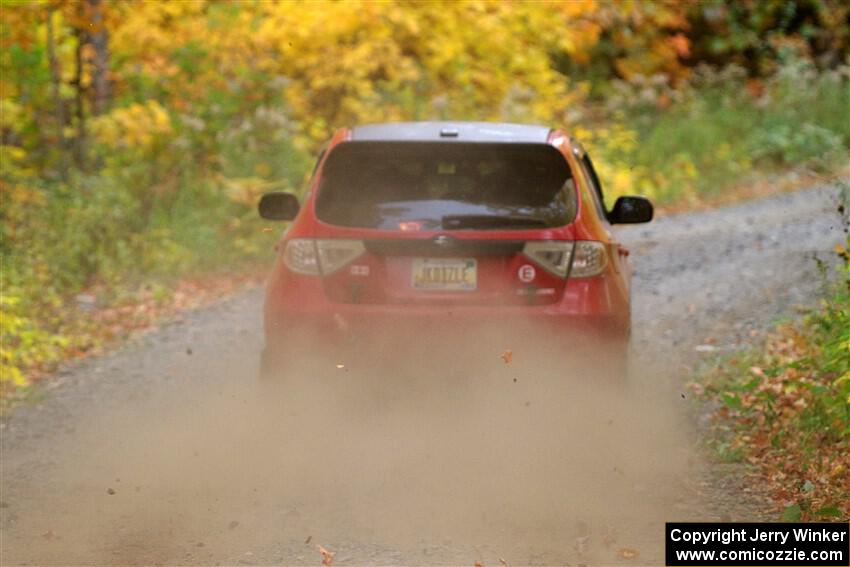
column 445, row 186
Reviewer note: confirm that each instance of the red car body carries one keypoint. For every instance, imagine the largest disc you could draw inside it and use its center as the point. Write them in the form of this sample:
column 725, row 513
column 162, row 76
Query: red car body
column 412, row 278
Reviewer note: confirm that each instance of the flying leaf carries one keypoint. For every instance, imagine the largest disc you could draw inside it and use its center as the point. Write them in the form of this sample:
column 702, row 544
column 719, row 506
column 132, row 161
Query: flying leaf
column 507, row 356
column 327, row 556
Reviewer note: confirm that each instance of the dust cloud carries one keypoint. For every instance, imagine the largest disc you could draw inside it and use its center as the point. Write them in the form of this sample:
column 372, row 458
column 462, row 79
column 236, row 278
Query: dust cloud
column 442, row 453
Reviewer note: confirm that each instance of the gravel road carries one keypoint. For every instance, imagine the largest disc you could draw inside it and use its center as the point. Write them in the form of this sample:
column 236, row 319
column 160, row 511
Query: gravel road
column 167, row 452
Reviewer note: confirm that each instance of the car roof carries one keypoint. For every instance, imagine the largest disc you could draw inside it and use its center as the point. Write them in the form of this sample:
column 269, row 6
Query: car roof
column 451, row 132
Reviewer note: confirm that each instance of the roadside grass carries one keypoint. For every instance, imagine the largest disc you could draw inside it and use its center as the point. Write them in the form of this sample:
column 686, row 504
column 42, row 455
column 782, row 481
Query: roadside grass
column 102, row 317
column 784, row 407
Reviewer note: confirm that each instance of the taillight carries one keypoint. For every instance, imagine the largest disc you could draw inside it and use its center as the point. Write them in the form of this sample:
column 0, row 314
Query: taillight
column 554, row 256
column 300, row 256
column 335, row 254
column 312, row 257
column 581, row 259
column 589, row 259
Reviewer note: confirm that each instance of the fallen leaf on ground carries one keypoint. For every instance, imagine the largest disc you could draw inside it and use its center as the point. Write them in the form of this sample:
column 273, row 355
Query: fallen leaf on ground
column 627, row 553
column 507, row 356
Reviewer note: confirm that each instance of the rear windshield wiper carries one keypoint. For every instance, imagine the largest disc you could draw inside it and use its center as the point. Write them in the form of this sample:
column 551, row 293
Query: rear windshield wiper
column 455, row 222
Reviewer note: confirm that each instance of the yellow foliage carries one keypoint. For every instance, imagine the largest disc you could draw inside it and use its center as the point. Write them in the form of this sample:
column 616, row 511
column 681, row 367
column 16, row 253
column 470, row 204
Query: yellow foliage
column 340, row 63
column 611, row 147
column 247, row 191
column 10, row 113
column 138, row 126
column 362, row 61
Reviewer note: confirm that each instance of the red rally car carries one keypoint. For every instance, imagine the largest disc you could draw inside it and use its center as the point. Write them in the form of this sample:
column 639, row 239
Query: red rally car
column 450, row 229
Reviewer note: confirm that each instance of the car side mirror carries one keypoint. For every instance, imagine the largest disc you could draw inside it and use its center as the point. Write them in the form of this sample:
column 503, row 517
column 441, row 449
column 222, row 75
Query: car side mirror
column 278, row 206
column 629, row 210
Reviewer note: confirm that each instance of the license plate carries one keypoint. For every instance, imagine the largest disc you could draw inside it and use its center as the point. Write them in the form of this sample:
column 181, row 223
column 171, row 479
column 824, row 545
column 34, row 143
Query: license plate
column 450, row 274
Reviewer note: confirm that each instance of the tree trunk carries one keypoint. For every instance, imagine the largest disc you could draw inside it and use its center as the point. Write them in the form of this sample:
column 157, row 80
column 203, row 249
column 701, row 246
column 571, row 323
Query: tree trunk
column 58, row 105
column 99, row 39
column 79, row 106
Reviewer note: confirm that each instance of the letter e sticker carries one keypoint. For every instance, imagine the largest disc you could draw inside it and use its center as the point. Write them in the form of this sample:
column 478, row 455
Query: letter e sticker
column 526, row 273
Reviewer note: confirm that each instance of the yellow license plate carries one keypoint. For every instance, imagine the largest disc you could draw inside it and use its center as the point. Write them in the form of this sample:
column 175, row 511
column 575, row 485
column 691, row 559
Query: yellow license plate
column 450, row 274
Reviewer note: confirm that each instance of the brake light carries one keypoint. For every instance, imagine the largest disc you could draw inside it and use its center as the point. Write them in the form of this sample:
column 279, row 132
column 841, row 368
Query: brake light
column 312, row 257
column 589, row 259
column 581, row 259
column 553, row 256
column 335, row 254
column 300, row 256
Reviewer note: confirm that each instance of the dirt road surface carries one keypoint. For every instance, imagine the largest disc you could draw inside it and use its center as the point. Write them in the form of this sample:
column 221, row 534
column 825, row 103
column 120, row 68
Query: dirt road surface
column 167, row 452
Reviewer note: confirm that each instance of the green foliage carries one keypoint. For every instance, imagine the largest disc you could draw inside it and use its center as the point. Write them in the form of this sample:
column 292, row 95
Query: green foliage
column 831, row 325
column 718, row 128
column 759, row 33
column 828, row 512
column 792, row 513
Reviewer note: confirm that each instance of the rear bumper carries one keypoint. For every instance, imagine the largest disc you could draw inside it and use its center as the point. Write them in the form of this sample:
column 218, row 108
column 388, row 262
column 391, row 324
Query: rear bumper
column 297, row 311
column 343, row 325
